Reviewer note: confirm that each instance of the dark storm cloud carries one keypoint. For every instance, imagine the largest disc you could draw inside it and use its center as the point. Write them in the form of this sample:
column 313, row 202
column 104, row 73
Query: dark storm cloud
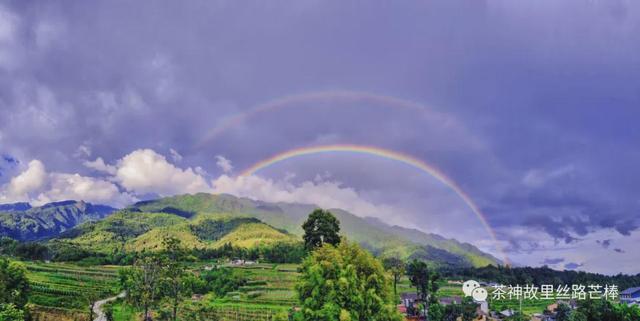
column 539, row 97
column 573, row 266
column 604, row 243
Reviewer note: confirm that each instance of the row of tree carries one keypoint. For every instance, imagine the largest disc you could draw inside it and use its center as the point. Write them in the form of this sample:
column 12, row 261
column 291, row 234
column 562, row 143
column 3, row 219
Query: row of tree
column 539, row 276
column 279, row 252
column 598, row 310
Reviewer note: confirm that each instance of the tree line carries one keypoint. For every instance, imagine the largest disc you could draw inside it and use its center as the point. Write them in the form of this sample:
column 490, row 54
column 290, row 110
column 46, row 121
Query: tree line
column 278, row 252
column 539, row 276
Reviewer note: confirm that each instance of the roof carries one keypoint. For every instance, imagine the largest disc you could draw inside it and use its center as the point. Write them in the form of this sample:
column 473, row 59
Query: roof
column 409, row 296
column 507, row 313
column 450, row 300
column 631, row 290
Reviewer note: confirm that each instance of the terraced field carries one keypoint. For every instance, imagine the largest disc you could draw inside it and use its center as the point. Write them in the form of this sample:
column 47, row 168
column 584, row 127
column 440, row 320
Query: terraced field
column 270, row 284
column 71, row 287
column 269, row 291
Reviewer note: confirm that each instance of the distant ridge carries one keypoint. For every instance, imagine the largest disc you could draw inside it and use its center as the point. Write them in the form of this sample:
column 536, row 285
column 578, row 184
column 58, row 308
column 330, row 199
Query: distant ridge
column 23, row 222
column 379, row 237
column 210, row 221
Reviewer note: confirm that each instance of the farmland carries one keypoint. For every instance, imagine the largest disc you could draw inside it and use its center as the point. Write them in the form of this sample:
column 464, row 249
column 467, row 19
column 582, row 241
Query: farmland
column 66, row 290
column 268, row 291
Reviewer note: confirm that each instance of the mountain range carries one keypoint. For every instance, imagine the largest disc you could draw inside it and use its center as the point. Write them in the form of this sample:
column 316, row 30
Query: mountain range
column 210, row 221
column 23, row 222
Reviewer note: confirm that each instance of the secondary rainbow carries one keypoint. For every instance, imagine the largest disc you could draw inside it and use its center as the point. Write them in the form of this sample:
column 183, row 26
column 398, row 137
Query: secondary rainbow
column 298, row 100
column 388, row 154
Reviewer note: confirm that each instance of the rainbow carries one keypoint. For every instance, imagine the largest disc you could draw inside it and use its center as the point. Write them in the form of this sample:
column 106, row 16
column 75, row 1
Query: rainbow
column 388, row 154
column 322, row 97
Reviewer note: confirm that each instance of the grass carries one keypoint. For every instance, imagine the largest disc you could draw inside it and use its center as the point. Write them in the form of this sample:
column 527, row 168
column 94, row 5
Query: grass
column 123, row 312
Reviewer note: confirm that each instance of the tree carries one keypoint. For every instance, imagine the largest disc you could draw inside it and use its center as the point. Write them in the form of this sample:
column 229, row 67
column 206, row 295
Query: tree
column 517, row 317
column 603, row 310
column 9, row 312
column 321, row 227
column 14, row 286
column 174, row 273
column 142, row 282
column 436, row 311
column 397, row 268
column 563, row 312
column 344, row 282
column 419, row 276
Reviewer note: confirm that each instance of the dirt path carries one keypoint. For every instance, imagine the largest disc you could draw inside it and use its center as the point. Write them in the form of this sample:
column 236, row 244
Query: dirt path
column 97, row 308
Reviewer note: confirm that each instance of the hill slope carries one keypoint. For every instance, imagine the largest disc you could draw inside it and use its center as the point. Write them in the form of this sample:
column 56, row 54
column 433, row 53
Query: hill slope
column 377, row 236
column 134, row 230
column 22, row 222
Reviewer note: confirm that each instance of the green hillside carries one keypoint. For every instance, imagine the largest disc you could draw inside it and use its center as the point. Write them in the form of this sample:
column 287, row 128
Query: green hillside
column 134, row 230
column 377, row 236
column 22, row 222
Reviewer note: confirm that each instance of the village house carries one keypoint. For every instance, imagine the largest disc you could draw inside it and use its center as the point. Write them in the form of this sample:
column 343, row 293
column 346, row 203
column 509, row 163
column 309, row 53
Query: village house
column 630, row 296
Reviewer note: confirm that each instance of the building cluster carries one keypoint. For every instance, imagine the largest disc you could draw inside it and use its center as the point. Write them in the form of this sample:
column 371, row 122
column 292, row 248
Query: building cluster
column 410, row 302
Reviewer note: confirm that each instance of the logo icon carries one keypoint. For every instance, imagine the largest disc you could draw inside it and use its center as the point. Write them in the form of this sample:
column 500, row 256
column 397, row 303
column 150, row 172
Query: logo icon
column 472, row 288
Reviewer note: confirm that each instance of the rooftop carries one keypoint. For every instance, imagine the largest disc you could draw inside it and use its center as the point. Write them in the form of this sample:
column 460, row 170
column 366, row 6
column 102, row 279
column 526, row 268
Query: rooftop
column 631, row 290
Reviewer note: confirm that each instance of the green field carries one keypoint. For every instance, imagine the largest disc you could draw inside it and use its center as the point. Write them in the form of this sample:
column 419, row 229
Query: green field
column 64, row 292
column 69, row 286
column 269, row 290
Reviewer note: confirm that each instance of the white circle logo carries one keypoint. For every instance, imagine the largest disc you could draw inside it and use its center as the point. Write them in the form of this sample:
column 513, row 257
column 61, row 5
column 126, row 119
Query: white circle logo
column 479, row 294
column 469, row 286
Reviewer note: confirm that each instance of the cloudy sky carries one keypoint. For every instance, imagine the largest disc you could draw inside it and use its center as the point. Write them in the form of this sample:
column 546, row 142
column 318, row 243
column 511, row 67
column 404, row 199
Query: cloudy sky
column 531, row 107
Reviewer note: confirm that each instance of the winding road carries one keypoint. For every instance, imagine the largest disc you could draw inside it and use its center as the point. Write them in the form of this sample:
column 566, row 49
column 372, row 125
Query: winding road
column 97, row 307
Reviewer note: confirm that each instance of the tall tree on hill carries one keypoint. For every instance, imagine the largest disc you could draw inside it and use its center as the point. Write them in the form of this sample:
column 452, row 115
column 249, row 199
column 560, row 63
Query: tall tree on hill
column 424, row 281
column 345, row 283
column 142, row 282
column 174, row 273
column 321, row 227
column 397, row 268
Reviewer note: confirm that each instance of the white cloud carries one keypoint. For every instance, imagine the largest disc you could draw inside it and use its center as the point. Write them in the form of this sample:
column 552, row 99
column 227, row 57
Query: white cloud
column 37, row 186
column 76, row 187
column 175, row 155
column 145, row 171
column 224, row 164
column 140, row 172
column 539, row 177
column 586, row 251
column 82, row 151
column 100, row 166
column 326, row 194
column 30, row 181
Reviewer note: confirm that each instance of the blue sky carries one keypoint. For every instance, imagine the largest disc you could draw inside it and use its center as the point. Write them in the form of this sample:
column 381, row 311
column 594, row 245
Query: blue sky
column 530, row 106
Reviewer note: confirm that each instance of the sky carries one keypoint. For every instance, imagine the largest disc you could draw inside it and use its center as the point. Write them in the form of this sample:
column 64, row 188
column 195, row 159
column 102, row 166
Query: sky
column 530, row 107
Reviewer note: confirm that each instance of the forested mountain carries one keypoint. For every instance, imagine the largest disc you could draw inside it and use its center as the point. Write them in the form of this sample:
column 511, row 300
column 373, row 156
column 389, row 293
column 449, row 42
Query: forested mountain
column 22, row 222
column 374, row 234
column 207, row 221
